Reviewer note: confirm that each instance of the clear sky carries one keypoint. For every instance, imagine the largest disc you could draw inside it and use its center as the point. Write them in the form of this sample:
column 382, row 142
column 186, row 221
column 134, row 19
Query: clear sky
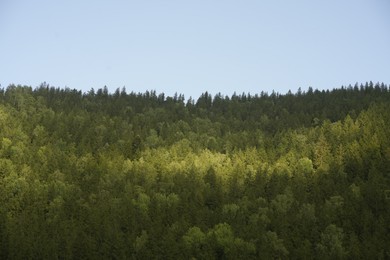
column 191, row 46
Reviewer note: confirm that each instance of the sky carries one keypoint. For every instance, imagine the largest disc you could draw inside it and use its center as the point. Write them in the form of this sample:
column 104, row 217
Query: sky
column 193, row 46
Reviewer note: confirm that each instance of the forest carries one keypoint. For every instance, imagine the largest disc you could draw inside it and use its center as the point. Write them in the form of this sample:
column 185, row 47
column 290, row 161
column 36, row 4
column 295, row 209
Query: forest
column 125, row 175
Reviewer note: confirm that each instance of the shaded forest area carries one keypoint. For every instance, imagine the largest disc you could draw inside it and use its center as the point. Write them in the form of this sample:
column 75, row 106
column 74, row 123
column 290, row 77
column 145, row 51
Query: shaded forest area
column 143, row 176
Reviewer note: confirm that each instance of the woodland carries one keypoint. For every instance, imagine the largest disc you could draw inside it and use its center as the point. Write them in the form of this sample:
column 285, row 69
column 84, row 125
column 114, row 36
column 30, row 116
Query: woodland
column 127, row 175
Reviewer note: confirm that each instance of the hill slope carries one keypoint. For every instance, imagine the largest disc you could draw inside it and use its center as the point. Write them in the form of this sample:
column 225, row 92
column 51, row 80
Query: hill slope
column 99, row 175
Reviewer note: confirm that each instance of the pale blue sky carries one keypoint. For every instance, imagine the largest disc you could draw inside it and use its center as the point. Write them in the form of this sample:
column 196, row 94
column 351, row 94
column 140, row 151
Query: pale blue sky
column 191, row 46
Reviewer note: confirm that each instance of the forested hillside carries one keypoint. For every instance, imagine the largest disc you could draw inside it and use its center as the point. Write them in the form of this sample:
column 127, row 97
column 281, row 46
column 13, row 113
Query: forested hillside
column 121, row 175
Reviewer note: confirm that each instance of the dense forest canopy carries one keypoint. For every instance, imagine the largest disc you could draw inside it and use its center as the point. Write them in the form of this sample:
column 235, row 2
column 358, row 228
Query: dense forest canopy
column 123, row 175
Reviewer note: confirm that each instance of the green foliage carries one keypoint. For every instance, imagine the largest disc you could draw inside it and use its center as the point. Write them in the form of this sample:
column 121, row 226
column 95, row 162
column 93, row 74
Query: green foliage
column 145, row 176
column 331, row 243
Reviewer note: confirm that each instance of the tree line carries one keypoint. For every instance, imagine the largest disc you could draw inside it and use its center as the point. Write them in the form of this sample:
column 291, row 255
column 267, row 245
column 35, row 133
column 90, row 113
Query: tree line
column 121, row 175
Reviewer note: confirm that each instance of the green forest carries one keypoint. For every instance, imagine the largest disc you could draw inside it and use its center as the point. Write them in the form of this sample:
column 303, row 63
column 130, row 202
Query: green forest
column 124, row 175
